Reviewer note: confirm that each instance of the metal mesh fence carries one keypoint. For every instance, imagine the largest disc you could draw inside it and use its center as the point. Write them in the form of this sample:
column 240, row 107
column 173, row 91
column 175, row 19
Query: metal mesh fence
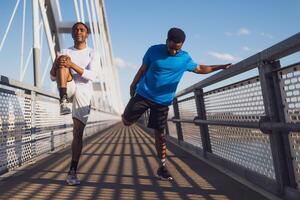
column 171, row 126
column 15, row 132
column 32, row 125
column 239, row 102
column 247, row 147
column 191, row 134
column 243, row 102
column 188, row 110
column 51, row 128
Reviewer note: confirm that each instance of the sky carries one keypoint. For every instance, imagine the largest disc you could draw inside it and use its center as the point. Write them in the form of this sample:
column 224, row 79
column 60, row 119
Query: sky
column 218, row 31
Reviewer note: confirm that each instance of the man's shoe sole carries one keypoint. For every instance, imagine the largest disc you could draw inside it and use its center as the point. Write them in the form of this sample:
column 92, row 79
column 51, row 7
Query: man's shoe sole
column 65, row 113
column 164, row 179
column 69, row 183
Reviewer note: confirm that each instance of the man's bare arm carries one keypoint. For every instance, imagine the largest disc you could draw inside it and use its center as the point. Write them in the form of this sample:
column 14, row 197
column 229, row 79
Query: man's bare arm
column 67, row 62
column 59, row 61
column 137, row 78
column 205, row 69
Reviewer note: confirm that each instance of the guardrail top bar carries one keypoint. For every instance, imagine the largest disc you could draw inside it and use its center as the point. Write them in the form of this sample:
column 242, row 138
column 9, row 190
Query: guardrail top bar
column 275, row 52
column 16, row 84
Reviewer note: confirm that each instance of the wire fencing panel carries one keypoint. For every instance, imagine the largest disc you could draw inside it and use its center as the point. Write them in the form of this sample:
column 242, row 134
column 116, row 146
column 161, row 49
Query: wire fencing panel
column 188, row 110
column 171, row 126
column 244, row 146
column 31, row 125
column 16, row 130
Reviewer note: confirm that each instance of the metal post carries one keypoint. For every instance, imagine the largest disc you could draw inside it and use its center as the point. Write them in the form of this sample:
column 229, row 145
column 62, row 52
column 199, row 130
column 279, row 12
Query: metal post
column 146, row 118
column 81, row 11
column 274, row 111
column 177, row 116
column 77, row 10
column 50, row 38
column 33, row 123
column 36, row 43
column 202, row 115
column 285, row 137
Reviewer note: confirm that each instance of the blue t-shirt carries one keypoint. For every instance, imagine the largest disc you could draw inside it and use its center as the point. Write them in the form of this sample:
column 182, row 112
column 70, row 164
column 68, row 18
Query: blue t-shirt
column 163, row 74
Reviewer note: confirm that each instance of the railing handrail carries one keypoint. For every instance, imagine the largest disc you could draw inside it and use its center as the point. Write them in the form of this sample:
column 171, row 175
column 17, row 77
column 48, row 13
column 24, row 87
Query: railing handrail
column 26, row 87
column 286, row 47
column 19, row 85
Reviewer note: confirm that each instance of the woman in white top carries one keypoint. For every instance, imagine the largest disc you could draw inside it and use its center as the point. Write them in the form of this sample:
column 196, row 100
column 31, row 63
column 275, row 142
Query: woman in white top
column 74, row 70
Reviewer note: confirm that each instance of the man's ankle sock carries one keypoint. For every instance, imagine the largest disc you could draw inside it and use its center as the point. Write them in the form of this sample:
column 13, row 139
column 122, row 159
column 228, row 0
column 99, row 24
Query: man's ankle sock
column 62, row 92
column 73, row 165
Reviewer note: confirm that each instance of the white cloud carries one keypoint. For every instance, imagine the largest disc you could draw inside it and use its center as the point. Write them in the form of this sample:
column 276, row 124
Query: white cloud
column 224, row 56
column 120, row 63
column 229, row 34
column 243, row 31
column 245, row 48
column 240, row 32
column 267, row 35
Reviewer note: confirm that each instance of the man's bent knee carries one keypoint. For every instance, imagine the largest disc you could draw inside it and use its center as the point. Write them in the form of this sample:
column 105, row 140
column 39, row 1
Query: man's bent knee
column 61, row 67
column 125, row 122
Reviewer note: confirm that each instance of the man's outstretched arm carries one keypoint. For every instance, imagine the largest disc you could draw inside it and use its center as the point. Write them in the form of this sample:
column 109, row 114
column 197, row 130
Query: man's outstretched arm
column 205, row 69
column 137, row 78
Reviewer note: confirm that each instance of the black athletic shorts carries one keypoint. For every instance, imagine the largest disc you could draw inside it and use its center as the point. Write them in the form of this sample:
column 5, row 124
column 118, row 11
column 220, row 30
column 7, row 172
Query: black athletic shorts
column 137, row 105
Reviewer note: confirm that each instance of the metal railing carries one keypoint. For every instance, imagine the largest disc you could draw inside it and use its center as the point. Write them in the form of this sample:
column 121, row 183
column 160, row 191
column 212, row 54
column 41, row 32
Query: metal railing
column 31, row 124
column 251, row 127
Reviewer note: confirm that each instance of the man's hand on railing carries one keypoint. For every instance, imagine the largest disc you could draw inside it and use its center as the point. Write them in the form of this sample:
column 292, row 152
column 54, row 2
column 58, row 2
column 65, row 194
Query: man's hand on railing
column 205, row 69
column 228, row 65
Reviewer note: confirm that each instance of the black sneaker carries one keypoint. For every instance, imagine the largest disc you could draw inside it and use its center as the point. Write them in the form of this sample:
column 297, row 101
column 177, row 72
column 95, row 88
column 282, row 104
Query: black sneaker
column 163, row 174
column 64, row 109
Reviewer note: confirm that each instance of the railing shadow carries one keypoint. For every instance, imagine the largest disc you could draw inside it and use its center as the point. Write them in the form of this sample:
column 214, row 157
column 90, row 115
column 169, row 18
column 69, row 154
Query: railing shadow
column 120, row 163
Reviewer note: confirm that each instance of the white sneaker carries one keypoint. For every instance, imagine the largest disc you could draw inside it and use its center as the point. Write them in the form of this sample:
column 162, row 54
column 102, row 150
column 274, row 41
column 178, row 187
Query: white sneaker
column 72, row 178
column 64, row 109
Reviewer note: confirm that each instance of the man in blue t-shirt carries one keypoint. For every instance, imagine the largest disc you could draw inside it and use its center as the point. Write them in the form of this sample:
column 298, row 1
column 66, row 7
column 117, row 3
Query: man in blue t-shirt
column 155, row 84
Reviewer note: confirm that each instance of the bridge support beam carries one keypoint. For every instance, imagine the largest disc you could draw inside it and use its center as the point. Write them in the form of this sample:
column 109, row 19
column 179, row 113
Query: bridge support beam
column 199, row 98
column 177, row 116
column 274, row 112
column 36, row 43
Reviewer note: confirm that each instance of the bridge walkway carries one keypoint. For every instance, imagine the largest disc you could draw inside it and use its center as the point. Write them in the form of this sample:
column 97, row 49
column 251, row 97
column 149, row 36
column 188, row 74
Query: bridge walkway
column 120, row 163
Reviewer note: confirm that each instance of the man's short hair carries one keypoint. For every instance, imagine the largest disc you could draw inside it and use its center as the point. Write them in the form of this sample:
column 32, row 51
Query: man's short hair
column 176, row 35
column 86, row 26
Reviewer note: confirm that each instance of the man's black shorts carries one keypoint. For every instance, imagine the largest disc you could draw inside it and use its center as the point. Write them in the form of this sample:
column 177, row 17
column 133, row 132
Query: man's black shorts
column 137, row 105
